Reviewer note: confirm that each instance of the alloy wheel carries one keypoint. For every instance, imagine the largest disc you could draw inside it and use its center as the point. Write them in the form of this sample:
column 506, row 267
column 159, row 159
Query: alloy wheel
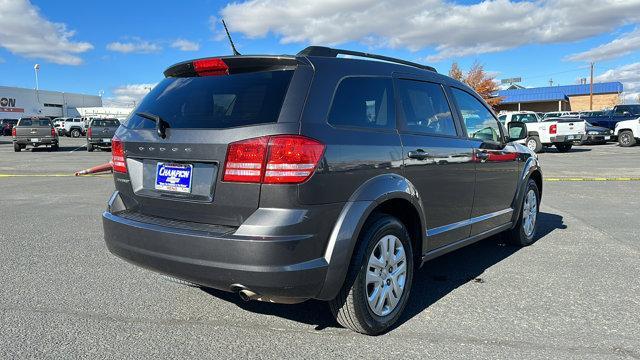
column 529, row 213
column 386, row 275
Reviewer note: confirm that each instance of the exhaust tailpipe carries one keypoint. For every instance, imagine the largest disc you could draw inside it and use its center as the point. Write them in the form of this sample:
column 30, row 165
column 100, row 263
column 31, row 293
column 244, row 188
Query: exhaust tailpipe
column 247, row 295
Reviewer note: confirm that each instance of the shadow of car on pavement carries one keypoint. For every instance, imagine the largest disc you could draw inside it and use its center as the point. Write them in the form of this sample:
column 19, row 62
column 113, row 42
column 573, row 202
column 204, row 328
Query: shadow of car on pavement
column 433, row 281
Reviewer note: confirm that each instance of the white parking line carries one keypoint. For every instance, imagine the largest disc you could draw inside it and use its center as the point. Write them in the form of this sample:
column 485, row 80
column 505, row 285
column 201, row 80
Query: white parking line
column 83, row 146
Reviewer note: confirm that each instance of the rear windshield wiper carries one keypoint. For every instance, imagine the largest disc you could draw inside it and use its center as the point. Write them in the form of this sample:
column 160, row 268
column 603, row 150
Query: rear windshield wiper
column 161, row 125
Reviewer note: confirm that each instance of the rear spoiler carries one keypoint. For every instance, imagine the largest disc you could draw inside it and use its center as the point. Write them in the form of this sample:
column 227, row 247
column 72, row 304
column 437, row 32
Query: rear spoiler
column 229, row 65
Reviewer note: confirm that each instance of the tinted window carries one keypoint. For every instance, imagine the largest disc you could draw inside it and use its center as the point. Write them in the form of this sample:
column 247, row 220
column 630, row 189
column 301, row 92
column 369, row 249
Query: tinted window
column 34, row 122
column 365, row 102
column 105, row 123
column 525, row 118
column 478, row 120
column 215, row 101
column 425, row 107
column 502, row 118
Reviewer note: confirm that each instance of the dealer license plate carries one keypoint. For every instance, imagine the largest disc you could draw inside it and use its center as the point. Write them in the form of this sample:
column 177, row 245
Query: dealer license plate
column 174, row 177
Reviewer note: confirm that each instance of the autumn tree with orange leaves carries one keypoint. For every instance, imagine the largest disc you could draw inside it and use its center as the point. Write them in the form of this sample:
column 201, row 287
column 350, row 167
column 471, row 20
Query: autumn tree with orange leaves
column 478, row 80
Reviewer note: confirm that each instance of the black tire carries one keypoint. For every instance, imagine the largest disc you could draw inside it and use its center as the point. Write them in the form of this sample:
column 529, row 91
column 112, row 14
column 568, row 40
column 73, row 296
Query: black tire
column 626, row 139
column 55, row 147
column 517, row 235
column 17, row 147
column 75, row 133
column 89, row 147
column 531, row 140
column 564, row 147
column 350, row 307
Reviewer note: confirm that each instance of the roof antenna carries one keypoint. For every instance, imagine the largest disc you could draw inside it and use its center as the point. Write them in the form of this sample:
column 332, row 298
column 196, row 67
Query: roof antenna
column 233, row 47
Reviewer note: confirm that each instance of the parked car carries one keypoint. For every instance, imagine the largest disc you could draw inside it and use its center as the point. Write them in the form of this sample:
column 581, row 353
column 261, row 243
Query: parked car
column 286, row 178
column 561, row 132
column 6, row 125
column 73, row 127
column 100, row 132
column 597, row 135
column 610, row 118
column 628, row 132
column 555, row 114
column 34, row 131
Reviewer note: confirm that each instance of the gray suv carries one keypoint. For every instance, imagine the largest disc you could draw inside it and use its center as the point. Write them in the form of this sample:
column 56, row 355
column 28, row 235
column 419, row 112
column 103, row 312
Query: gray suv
column 287, row 178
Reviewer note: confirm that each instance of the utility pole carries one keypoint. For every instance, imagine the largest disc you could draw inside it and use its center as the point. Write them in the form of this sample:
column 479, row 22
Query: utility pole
column 591, row 89
column 36, row 68
column 550, row 82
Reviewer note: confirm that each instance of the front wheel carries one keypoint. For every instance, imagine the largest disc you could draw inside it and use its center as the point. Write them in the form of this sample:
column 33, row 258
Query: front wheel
column 626, row 139
column 564, row 147
column 534, row 144
column 378, row 282
column 525, row 229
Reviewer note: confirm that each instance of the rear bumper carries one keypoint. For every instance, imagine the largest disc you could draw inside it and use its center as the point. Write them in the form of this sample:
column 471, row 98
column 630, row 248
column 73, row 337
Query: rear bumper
column 42, row 141
column 98, row 142
column 278, row 268
column 568, row 138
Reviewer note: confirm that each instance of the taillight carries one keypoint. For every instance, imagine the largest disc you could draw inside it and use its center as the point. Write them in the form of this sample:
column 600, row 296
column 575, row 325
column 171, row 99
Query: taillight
column 245, row 160
column 89, row 132
column 53, row 132
column 13, row 132
column 292, row 159
column 210, row 67
column 280, row 159
column 553, row 129
column 117, row 156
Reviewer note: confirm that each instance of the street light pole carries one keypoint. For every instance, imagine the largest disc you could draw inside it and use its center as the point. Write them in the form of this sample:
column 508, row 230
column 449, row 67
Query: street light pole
column 36, row 68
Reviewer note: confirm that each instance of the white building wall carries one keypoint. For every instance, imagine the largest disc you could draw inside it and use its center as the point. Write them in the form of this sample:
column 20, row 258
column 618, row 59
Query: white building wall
column 19, row 102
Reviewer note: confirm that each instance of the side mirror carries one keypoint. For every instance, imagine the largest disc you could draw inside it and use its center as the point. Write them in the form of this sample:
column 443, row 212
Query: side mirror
column 517, row 130
column 626, row 113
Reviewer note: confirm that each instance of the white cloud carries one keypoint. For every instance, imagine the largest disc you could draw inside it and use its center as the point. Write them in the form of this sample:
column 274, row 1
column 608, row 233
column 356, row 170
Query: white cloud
column 137, row 45
column 628, row 75
column 26, row 33
column 127, row 95
column 452, row 29
column 625, row 44
column 185, row 45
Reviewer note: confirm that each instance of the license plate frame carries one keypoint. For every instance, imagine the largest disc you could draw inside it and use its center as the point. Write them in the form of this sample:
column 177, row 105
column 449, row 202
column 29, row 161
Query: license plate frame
column 172, row 179
column 34, row 140
column 106, row 140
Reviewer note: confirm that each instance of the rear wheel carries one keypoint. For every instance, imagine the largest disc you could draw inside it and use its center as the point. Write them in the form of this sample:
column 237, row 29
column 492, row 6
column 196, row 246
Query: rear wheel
column 525, row 230
column 75, row 133
column 378, row 282
column 89, row 147
column 17, row 147
column 534, row 144
column 626, row 139
column 55, row 147
column 564, row 147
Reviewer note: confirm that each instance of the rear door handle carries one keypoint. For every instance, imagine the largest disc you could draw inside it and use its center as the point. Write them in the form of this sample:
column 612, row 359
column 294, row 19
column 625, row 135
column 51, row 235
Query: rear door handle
column 418, row 154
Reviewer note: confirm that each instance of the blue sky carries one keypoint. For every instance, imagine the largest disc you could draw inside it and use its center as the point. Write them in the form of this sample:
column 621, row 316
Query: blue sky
column 119, row 46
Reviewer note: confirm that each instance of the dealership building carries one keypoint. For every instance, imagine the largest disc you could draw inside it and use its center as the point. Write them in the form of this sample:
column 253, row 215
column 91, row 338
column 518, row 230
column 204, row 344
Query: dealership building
column 560, row 98
column 20, row 102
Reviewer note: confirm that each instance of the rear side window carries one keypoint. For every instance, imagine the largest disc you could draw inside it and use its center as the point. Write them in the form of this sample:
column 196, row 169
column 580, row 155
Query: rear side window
column 425, row 107
column 215, row 102
column 364, row 102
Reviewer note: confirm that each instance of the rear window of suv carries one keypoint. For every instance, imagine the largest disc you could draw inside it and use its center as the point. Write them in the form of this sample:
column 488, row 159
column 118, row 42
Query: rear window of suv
column 105, row 123
column 215, row 102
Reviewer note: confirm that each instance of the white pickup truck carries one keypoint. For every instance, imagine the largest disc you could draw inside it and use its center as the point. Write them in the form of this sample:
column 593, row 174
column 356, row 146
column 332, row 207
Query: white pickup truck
column 560, row 132
column 628, row 132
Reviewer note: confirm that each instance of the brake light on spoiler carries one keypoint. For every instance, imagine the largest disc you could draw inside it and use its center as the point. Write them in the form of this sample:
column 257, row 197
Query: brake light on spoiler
column 279, row 159
column 210, row 67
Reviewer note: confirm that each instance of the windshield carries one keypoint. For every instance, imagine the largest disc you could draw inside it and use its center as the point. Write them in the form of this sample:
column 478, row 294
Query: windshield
column 215, row 102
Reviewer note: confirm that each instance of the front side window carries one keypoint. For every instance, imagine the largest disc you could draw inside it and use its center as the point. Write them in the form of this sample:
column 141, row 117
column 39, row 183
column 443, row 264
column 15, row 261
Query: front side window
column 425, row 107
column 478, row 120
column 364, row 102
column 502, row 119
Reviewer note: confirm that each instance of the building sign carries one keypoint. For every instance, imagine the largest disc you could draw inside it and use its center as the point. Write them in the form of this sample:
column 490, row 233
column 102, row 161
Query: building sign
column 9, row 105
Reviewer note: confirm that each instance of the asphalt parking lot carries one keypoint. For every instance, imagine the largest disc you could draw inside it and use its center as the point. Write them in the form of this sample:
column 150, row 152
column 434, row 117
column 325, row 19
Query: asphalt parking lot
column 573, row 294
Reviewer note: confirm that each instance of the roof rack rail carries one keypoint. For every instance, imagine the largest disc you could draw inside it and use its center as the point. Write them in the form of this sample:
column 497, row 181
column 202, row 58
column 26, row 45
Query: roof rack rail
column 330, row 52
